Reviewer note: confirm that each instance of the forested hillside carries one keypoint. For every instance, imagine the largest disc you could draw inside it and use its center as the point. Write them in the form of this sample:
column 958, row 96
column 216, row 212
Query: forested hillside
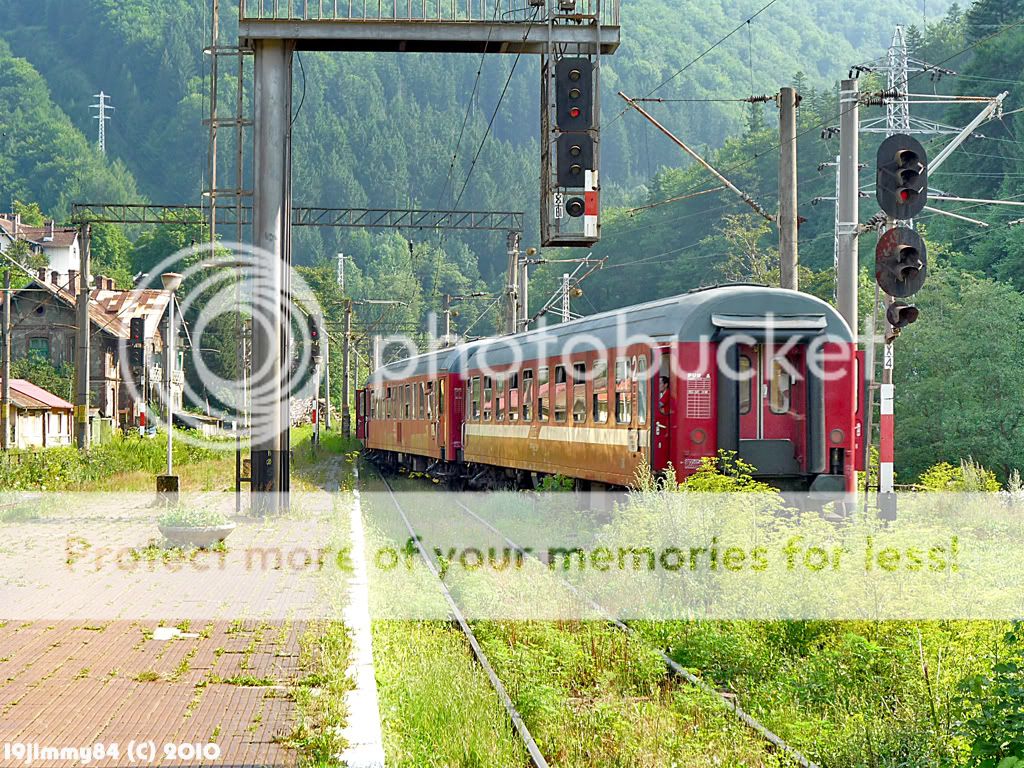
column 380, row 130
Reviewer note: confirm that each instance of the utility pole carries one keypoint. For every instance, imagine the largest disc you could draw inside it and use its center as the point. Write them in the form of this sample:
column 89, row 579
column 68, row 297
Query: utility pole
column 447, row 318
column 524, row 292
column 5, row 394
column 566, row 313
column 327, row 378
column 788, row 99
column 102, row 106
column 512, row 291
column 346, row 415
column 341, row 272
column 82, row 354
column 849, row 202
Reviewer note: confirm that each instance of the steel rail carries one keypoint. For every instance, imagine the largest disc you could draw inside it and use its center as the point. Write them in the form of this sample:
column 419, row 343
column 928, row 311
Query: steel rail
column 536, row 758
column 761, row 730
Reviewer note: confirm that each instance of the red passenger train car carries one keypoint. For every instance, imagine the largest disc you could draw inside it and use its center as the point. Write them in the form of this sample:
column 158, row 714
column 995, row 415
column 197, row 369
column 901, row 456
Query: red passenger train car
column 771, row 374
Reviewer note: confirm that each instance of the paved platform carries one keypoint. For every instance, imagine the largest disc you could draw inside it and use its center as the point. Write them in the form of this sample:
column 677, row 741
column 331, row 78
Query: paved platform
column 74, row 685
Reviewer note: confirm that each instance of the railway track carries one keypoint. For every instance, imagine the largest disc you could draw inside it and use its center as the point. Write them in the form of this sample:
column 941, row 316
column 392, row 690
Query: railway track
column 773, row 740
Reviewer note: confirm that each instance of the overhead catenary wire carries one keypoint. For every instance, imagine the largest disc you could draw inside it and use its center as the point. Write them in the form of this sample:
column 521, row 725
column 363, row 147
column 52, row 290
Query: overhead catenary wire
column 494, row 114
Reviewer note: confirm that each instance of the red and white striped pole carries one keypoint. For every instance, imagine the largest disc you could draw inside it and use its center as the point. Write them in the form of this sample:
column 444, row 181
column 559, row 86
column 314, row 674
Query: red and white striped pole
column 887, row 425
column 591, row 205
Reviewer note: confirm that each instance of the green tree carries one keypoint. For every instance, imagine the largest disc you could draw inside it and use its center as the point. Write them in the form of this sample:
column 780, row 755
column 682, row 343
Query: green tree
column 31, row 215
column 959, row 376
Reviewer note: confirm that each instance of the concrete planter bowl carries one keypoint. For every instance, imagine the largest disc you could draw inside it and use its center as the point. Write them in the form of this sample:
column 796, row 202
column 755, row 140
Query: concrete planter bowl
column 202, row 537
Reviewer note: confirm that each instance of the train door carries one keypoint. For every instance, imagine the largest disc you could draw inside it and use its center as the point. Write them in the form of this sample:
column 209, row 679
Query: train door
column 440, row 415
column 772, row 412
column 658, row 383
column 361, row 397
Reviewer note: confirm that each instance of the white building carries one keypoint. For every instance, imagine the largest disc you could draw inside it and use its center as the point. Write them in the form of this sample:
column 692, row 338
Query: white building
column 60, row 245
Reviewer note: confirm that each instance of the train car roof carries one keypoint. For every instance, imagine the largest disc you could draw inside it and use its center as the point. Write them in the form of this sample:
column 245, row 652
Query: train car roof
column 703, row 314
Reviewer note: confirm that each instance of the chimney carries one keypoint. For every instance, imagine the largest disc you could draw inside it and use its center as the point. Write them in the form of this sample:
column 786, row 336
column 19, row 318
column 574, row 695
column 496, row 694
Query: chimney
column 110, row 284
column 98, row 282
column 49, row 229
column 73, row 281
column 17, row 225
column 41, row 274
column 55, row 277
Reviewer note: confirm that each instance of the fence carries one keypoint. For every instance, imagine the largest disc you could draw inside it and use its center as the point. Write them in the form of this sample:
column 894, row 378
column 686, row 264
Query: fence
column 479, row 11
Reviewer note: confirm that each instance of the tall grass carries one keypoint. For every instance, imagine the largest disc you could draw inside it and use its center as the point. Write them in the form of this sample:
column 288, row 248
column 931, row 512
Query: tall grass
column 67, row 468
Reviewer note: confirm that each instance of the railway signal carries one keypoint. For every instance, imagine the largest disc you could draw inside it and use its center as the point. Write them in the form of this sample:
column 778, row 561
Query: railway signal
column 901, row 262
column 137, row 344
column 902, row 177
column 900, row 314
column 314, row 336
column 574, row 94
column 575, row 158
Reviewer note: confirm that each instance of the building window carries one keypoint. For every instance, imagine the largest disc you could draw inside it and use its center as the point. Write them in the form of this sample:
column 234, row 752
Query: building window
column 528, row 395
column 600, row 391
column 39, row 347
column 579, row 393
column 561, row 394
column 623, row 393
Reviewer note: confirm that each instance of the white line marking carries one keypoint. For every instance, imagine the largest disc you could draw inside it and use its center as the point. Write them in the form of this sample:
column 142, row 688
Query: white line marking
column 365, row 745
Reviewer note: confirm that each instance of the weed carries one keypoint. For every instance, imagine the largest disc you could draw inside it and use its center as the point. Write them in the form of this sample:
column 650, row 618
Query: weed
column 148, row 676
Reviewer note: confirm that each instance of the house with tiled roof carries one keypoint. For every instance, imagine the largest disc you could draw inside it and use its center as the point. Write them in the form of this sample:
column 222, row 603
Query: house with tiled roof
column 38, row 418
column 44, row 322
column 60, row 246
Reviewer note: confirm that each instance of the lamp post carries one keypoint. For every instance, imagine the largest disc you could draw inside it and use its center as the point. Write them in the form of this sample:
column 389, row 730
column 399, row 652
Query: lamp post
column 167, row 484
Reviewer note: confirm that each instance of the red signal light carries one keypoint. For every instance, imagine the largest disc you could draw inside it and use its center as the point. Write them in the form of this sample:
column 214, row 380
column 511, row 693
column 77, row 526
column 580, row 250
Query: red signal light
column 574, row 112
column 904, row 195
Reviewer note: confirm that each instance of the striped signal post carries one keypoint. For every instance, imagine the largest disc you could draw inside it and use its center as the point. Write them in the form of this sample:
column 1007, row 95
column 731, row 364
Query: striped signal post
column 591, row 207
column 887, row 425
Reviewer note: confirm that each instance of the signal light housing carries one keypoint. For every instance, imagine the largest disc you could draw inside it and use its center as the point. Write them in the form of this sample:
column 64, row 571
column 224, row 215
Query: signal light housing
column 575, row 207
column 575, row 158
column 314, row 336
column 900, row 314
column 902, row 177
column 137, row 330
column 574, row 94
column 901, row 262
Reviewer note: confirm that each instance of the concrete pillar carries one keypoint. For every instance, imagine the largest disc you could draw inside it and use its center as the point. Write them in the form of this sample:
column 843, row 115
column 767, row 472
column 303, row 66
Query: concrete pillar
column 788, row 258
column 272, row 235
column 849, row 202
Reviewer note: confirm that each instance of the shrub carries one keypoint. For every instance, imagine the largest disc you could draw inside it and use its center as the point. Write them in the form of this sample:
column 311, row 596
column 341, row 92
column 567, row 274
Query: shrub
column 969, row 477
column 194, row 517
column 996, row 700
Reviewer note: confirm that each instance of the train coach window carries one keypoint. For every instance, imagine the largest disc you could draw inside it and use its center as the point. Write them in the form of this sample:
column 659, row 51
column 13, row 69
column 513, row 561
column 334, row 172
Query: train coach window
column 430, row 401
column 488, row 398
column 474, row 398
column 561, row 394
column 780, row 388
column 623, row 393
column 643, row 384
column 746, row 384
column 543, row 394
column 513, row 397
column 600, row 391
column 528, row 395
column 579, row 393
column 440, row 397
column 407, row 401
column 387, row 404
column 499, row 400
column 421, row 400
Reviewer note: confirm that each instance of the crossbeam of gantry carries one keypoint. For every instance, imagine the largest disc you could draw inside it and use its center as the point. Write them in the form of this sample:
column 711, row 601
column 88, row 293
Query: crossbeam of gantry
column 435, row 26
